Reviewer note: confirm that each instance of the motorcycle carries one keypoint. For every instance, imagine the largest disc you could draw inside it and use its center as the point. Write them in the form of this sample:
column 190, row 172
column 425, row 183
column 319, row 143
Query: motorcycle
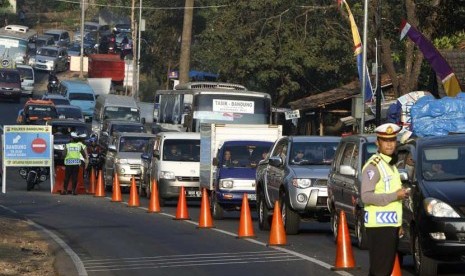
column 52, row 87
column 34, row 175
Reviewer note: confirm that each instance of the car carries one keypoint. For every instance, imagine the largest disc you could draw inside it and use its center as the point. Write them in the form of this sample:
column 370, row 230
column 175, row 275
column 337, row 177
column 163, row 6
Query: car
column 27, row 79
column 344, row 184
column 81, row 94
column 298, row 186
column 41, row 41
column 122, row 28
column 69, row 112
column 10, row 84
column 123, row 158
column 92, row 27
column 119, row 39
column 50, row 58
column 57, row 99
column 37, row 112
column 61, row 37
column 61, row 131
column 112, row 126
column 75, row 50
column 434, row 214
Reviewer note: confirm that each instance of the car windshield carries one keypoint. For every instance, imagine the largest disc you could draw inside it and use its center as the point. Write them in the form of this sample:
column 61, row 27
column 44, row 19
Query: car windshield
column 122, row 113
column 47, row 52
column 56, row 37
column 127, row 128
column 181, row 150
column 89, row 28
column 59, row 101
column 312, row 153
column 133, row 144
column 25, row 73
column 41, row 111
column 9, row 77
column 65, row 130
column 81, row 97
column 443, row 163
column 243, row 156
column 67, row 113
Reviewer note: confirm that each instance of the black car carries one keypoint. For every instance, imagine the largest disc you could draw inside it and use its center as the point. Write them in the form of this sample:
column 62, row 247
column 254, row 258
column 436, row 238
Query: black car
column 434, row 214
column 61, row 131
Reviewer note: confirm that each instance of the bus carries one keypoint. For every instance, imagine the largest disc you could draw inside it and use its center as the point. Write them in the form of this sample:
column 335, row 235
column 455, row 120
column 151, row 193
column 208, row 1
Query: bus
column 14, row 44
column 195, row 103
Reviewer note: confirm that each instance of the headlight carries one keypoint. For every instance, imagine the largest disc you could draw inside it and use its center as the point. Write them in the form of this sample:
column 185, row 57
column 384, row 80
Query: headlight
column 227, row 184
column 32, row 61
column 22, row 172
column 121, row 161
column 59, row 147
column 167, row 175
column 301, row 183
column 437, row 208
column 50, row 62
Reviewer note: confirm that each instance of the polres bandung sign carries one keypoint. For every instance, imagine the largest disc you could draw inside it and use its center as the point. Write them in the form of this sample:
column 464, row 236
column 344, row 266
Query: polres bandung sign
column 27, row 146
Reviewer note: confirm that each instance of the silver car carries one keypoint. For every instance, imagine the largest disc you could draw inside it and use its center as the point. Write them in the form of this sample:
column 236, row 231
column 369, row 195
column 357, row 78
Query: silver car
column 123, row 157
column 50, row 58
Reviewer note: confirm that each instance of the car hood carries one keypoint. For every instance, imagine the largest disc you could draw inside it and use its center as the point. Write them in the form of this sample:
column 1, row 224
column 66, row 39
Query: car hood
column 45, row 58
column 133, row 157
column 451, row 192
column 320, row 172
column 242, row 173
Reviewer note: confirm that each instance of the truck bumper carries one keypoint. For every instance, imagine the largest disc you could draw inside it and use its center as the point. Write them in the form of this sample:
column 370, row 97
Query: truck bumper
column 234, row 198
column 169, row 188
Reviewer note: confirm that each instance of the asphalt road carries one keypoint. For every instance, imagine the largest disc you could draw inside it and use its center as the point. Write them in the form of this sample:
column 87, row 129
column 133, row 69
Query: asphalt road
column 108, row 238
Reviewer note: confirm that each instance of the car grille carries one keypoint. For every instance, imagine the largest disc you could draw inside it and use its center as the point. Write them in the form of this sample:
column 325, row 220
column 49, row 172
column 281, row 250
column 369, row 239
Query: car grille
column 188, row 178
column 321, row 182
column 134, row 166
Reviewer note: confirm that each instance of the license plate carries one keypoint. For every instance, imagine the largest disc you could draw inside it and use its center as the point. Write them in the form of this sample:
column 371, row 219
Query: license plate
column 251, row 196
column 193, row 193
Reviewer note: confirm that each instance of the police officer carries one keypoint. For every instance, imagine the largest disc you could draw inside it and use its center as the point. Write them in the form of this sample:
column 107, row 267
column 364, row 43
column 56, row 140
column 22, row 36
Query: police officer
column 73, row 152
column 382, row 194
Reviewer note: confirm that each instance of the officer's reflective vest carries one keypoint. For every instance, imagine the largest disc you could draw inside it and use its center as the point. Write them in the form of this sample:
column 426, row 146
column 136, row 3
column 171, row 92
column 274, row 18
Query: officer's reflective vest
column 389, row 182
column 73, row 156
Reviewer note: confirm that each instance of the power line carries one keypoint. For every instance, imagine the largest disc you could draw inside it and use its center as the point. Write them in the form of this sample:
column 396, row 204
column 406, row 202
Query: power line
column 145, row 7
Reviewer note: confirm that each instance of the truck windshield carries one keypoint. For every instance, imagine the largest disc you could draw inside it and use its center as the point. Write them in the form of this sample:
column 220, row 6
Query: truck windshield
column 312, row 153
column 122, row 113
column 181, row 150
column 443, row 163
column 243, row 156
column 81, row 97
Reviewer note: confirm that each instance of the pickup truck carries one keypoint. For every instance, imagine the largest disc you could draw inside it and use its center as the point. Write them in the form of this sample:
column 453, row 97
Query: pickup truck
column 295, row 174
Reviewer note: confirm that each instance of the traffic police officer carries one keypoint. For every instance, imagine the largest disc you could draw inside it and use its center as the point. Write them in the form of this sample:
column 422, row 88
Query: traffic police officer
column 73, row 152
column 382, row 194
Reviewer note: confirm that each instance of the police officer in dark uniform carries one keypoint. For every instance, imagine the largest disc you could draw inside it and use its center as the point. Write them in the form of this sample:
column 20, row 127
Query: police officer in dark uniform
column 382, row 194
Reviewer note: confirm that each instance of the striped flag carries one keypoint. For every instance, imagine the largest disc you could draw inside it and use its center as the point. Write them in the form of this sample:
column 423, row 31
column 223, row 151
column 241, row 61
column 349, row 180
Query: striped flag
column 436, row 60
column 358, row 53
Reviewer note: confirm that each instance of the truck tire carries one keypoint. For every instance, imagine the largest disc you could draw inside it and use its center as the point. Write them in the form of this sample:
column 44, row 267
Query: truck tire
column 291, row 219
column 217, row 210
column 263, row 213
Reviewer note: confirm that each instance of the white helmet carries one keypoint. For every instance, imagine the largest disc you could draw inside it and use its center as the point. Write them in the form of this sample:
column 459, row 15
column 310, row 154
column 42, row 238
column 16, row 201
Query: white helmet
column 74, row 134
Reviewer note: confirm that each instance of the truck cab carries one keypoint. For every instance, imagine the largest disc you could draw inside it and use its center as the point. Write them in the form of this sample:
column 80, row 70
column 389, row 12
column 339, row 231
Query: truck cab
column 234, row 174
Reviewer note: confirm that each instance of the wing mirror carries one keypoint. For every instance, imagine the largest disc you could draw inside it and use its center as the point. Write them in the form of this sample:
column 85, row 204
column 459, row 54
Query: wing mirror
column 275, row 161
column 347, row 170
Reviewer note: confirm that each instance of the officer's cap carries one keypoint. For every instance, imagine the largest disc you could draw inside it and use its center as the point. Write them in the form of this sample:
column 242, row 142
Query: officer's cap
column 387, row 131
column 74, row 134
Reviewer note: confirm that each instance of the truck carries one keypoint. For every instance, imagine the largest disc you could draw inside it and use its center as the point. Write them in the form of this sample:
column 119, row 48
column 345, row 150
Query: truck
column 107, row 66
column 227, row 180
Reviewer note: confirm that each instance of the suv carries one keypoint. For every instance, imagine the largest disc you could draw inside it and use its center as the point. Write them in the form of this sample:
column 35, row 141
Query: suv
column 61, row 37
column 123, row 157
column 10, row 84
column 50, row 58
column 61, row 131
column 112, row 126
column 37, row 112
column 298, row 185
column 434, row 214
column 344, row 183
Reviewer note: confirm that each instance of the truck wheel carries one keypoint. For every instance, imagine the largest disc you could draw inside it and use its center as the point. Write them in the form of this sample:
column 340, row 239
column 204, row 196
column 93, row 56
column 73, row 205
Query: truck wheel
column 424, row 266
column 334, row 224
column 217, row 210
column 262, row 209
column 360, row 231
column 108, row 181
column 161, row 201
column 142, row 191
column 291, row 219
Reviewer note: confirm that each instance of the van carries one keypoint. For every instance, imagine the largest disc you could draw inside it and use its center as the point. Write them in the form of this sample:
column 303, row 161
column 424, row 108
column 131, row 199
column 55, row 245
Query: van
column 61, row 37
column 80, row 94
column 114, row 107
column 27, row 79
column 10, row 84
column 174, row 163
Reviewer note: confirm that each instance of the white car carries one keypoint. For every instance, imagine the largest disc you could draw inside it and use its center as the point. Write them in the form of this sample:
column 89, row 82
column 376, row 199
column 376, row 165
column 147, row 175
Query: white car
column 27, row 78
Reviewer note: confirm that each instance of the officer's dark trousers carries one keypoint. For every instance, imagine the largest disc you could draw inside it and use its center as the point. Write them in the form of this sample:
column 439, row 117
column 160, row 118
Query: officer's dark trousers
column 71, row 171
column 382, row 246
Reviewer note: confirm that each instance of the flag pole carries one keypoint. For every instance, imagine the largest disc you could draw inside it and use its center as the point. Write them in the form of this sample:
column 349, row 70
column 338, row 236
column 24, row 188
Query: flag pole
column 364, row 65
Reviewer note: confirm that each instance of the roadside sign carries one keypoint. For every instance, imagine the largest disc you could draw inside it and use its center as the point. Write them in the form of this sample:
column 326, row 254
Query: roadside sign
column 293, row 114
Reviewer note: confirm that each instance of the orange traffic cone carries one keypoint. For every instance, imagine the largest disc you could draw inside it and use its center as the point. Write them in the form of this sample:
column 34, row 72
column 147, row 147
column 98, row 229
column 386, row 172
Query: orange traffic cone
column 92, row 181
column 59, row 179
column 154, row 203
column 205, row 220
column 245, row 223
column 116, row 197
column 396, row 271
column 277, row 233
column 100, row 190
column 344, row 256
column 133, row 195
column 181, row 212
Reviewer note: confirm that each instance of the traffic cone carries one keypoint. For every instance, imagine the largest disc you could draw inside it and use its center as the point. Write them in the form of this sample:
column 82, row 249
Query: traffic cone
column 92, row 181
column 181, row 212
column 100, row 190
column 59, row 179
column 344, row 256
column 277, row 232
column 80, row 188
column 133, row 195
column 245, row 223
column 116, row 197
column 154, row 203
column 396, row 271
column 205, row 220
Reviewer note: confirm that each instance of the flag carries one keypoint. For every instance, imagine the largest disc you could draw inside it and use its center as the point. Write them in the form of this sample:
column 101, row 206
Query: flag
column 436, row 60
column 358, row 53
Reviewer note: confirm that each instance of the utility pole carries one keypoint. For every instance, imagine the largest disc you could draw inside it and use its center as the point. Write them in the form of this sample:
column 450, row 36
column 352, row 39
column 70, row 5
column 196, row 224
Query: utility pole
column 134, row 43
column 184, row 60
column 81, row 71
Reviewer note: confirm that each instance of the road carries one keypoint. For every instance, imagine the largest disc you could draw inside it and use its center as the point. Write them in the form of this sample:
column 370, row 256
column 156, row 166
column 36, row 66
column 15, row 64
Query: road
column 110, row 238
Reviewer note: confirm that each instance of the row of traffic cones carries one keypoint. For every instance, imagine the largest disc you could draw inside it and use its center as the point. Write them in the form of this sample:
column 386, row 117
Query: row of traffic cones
column 344, row 256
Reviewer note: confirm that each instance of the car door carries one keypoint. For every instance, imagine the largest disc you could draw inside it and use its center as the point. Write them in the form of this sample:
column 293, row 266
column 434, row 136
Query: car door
column 350, row 189
column 146, row 163
column 336, row 180
column 156, row 155
column 110, row 158
column 274, row 173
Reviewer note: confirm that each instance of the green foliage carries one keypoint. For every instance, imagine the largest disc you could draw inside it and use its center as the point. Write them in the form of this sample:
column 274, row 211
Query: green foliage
column 449, row 42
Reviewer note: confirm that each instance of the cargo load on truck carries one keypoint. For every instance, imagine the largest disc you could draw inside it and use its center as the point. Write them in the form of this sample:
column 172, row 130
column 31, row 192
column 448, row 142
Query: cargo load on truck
column 107, row 66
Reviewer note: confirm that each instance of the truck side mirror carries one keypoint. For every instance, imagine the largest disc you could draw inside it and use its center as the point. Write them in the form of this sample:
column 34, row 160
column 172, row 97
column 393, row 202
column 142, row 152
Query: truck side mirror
column 156, row 154
column 275, row 161
column 112, row 148
column 145, row 156
column 347, row 170
column 403, row 175
column 215, row 161
column 142, row 120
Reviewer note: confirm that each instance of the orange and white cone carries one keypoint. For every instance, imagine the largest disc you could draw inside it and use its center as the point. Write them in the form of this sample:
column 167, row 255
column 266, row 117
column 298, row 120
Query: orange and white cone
column 277, row 231
column 205, row 220
column 154, row 203
column 133, row 195
column 245, row 222
column 181, row 211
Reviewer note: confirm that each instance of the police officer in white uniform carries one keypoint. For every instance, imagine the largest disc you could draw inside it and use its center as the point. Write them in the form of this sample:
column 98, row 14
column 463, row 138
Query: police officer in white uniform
column 382, row 194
